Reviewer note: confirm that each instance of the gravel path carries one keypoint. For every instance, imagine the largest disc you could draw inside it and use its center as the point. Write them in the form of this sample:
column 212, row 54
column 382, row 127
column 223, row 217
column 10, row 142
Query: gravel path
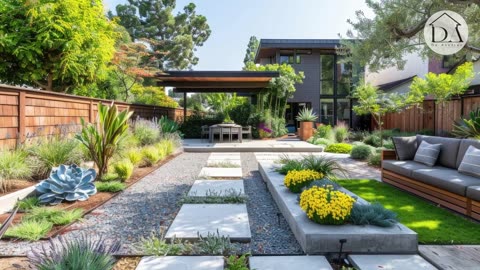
column 139, row 210
column 271, row 233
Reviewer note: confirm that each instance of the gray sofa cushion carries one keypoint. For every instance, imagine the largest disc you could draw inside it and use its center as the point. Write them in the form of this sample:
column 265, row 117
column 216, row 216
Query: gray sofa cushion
column 473, row 193
column 464, row 144
column 446, row 178
column 405, row 147
column 471, row 162
column 403, row 167
column 427, row 153
column 449, row 151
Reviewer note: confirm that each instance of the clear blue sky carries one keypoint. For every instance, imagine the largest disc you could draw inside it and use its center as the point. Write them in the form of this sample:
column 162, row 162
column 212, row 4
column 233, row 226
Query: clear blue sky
column 233, row 22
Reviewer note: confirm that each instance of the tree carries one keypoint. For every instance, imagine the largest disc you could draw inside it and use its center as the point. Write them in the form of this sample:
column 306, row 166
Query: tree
column 397, row 29
column 251, row 50
column 443, row 86
column 373, row 101
column 173, row 39
column 55, row 45
column 152, row 95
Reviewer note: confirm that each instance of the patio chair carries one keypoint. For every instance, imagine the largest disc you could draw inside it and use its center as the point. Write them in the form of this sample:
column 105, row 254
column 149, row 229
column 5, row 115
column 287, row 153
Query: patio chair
column 235, row 131
column 205, row 132
column 247, row 130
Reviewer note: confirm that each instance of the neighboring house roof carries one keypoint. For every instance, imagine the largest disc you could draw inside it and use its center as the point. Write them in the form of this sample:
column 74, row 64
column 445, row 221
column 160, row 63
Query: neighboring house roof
column 389, row 86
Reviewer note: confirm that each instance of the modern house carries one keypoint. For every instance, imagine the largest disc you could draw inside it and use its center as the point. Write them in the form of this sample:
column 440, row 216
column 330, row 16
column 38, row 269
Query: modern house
column 327, row 83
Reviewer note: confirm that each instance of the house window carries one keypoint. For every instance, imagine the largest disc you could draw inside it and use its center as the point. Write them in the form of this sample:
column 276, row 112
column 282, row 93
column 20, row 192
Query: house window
column 327, row 74
column 299, row 53
column 287, row 56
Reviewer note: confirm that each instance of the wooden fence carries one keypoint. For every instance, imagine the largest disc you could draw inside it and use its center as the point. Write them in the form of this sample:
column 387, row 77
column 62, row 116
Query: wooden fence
column 27, row 114
column 434, row 117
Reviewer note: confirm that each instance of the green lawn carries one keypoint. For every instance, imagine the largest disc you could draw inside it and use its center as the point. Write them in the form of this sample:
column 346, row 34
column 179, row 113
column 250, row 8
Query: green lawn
column 433, row 224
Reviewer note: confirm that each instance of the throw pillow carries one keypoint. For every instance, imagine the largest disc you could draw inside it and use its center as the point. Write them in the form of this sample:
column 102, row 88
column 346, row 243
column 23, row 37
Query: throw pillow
column 427, row 153
column 405, row 147
column 471, row 162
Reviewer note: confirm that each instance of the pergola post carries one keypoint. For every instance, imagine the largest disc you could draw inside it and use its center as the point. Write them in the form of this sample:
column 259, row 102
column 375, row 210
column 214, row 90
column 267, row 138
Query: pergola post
column 184, row 106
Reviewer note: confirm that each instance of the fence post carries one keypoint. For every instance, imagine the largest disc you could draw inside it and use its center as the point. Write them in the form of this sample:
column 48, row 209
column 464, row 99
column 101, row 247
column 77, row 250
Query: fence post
column 21, row 117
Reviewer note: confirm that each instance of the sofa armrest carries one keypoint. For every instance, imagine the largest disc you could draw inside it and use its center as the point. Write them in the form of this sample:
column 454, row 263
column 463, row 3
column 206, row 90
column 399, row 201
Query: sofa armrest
column 388, row 154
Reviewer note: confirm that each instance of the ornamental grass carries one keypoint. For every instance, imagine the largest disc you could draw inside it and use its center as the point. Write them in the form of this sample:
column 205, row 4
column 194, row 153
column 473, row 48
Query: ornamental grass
column 296, row 180
column 324, row 205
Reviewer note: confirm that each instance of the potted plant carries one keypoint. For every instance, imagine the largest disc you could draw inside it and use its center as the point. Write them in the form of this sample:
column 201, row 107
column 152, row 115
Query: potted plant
column 227, row 121
column 306, row 117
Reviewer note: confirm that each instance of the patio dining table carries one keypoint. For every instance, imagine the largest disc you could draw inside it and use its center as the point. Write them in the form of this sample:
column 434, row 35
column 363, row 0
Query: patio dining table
column 225, row 129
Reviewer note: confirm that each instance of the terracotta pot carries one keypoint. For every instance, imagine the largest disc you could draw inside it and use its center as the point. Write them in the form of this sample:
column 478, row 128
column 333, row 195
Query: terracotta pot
column 306, row 130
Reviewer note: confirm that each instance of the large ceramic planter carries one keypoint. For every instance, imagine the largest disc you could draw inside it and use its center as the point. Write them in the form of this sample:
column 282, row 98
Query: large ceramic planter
column 306, row 130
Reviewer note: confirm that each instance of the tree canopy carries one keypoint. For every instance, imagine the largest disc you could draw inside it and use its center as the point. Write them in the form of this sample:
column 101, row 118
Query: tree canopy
column 55, row 45
column 397, row 29
column 252, row 47
column 173, row 38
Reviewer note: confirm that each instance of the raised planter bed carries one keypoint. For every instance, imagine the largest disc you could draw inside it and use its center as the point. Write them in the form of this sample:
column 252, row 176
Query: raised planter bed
column 320, row 239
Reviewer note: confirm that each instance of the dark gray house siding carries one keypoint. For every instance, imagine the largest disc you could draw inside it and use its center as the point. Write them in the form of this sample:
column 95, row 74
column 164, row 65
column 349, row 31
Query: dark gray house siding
column 309, row 90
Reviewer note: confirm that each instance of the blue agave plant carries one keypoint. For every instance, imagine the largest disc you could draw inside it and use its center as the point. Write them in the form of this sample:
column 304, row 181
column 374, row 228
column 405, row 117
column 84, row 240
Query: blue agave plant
column 69, row 183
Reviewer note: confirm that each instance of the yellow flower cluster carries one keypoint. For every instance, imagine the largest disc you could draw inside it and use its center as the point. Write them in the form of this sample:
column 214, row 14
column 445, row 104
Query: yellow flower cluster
column 325, row 205
column 296, row 180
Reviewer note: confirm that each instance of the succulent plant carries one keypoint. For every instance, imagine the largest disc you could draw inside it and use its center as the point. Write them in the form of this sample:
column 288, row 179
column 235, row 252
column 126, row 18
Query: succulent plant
column 69, row 183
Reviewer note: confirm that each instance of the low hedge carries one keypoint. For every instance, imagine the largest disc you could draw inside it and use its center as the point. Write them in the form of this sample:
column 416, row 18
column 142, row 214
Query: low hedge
column 340, row 148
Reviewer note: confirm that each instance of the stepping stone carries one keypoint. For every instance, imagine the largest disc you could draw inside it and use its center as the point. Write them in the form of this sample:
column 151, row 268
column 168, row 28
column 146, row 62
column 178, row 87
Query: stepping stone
column 213, row 172
column 390, row 262
column 229, row 219
column 287, row 262
column 222, row 156
column 216, row 162
column 218, row 187
column 181, row 263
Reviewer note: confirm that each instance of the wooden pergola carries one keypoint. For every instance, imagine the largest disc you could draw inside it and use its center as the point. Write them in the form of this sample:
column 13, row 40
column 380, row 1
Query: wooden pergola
column 215, row 82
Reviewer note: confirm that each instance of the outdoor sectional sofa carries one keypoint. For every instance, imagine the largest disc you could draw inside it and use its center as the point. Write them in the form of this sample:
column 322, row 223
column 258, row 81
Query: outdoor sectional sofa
column 441, row 183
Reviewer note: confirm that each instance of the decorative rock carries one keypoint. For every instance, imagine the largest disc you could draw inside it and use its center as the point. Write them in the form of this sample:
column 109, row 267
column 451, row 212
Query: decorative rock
column 390, row 262
column 289, row 262
column 218, row 187
column 181, row 263
column 208, row 172
column 228, row 219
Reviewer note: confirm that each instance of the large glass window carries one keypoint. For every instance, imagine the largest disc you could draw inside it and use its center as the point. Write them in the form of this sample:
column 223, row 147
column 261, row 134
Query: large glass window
column 326, row 111
column 327, row 74
column 343, row 110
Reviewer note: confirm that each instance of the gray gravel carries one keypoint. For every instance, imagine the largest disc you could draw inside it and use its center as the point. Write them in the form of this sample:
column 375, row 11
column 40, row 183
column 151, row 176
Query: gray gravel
column 271, row 233
column 139, row 210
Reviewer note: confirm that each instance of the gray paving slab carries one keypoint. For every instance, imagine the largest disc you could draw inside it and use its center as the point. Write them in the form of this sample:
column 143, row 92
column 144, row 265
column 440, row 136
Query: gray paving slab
column 289, row 262
column 228, row 219
column 319, row 239
column 223, row 162
column 203, row 188
column 213, row 172
column 390, row 262
column 452, row 257
column 181, row 263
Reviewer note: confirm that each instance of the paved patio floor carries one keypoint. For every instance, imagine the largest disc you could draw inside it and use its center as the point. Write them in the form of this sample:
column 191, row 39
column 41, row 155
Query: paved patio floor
column 278, row 145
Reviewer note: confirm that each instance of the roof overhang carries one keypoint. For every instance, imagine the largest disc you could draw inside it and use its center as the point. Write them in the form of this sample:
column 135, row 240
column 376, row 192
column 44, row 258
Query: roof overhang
column 216, row 81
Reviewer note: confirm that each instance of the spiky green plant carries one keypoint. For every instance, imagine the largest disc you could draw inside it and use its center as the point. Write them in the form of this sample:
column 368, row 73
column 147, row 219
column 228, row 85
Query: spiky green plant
column 124, row 169
column 135, row 156
column 329, row 167
column 468, row 127
column 31, row 230
column 167, row 125
column 151, row 155
column 54, row 215
column 28, row 203
column 67, row 217
column 214, row 244
column 306, row 115
column 287, row 164
column 82, row 253
column 111, row 186
column 13, row 165
column 102, row 138
column 237, row 263
column 372, row 214
column 147, row 132
column 157, row 245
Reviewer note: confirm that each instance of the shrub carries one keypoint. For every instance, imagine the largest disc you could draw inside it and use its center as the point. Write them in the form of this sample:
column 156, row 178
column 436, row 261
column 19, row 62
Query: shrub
column 54, row 215
column 67, row 183
column 135, row 156
column 372, row 214
column 28, row 203
column 373, row 140
column 361, row 152
column 296, row 180
column 162, row 149
column 288, row 164
column 109, row 177
column 102, row 139
column 124, row 169
column 341, row 132
column 147, row 132
column 375, row 159
column 358, row 135
column 111, row 186
column 237, row 263
column 325, row 132
column 67, row 217
column 151, row 155
column 214, row 244
column 192, row 126
column 388, row 144
column 81, row 253
column 156, row 245
column 55, row 151
column 306, row 115
column 169, row 146
column 31, row 230
column 321, row 141
column 324, row 165
column 13, row 165
column 167, row 126
column 326, row 206
column 340, row 148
